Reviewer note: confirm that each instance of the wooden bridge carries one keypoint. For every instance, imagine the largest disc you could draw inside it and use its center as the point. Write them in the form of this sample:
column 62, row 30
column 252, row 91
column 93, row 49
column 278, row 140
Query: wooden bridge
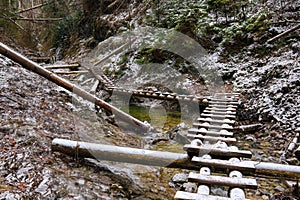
column 211, row 155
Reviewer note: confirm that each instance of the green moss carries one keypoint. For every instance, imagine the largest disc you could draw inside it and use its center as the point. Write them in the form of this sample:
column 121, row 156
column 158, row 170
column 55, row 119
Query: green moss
column 123, row 59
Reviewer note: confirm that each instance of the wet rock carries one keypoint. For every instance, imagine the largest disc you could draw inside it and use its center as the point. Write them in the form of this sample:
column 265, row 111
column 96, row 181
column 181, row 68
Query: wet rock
column 190, row 187
column 250, row 138
column 279, row 188
column 180, row 178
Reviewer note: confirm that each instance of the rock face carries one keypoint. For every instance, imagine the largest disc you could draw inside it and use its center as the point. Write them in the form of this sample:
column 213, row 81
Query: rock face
column 271, row 86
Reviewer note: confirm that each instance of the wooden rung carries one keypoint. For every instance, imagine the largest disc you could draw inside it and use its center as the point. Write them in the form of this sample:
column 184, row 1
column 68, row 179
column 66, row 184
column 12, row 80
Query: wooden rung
column 224, row 121
column 227, row 94
column 180, row 195
column 220, row 109
column 61, row 66
column 221, row 106
column 206, row 125
column 212, row 133
column 224, row 99
column 220, row 112
column 218, row 116
column 228, row 152
column 212, row 139
column 71, row 72
column 220, row 102
column 243, row 166
column 224, row 181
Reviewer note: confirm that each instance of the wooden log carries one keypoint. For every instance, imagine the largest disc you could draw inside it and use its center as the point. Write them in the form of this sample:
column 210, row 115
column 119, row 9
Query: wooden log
column 219, row 112
column 177, row 160
column 246, row 167
column 218, row 116
column 211, row 108
column 70, row 66
column 206, row 125
column 224, row 103
column 277, row 170
column 221, row 180
column 216, row 121
column 32, row 66
column 95, row 86
column 203, row 131
column 40, row 59
column 218, row 152
column 181, row 195
column 71, row 72
column 122, row 154
column 212, row 138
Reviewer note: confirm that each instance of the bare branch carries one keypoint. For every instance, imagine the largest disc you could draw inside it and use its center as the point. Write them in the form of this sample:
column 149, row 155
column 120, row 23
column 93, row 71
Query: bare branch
column 32, row 8
column 283, row 34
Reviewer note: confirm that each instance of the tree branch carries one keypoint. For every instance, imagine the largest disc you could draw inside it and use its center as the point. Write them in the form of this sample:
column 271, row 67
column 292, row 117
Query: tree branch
column 32, row 8
column 283, row 34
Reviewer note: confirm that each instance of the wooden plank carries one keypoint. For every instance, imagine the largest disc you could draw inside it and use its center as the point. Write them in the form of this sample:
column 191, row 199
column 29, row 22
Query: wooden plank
column 224, row 121
column 223, row 181
column 220, row 109
column 221, row 106
column 181, row 195
column 95, row 86
column 217, row 116
column 223, row 99
column 193, row 149
column 228, row 94
column 71, row 72
column 212, row 139
column 72, row 66
column 212, row 133
column 226, row 112
column 243, row 166
column 206, row 125
column 224, row 103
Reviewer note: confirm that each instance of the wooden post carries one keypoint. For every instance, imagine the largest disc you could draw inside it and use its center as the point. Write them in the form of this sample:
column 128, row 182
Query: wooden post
column 32, row 66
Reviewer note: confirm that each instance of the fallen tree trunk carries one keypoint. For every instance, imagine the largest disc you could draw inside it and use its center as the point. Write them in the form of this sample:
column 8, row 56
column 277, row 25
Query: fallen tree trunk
column 30, row 65
column 161, row 159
